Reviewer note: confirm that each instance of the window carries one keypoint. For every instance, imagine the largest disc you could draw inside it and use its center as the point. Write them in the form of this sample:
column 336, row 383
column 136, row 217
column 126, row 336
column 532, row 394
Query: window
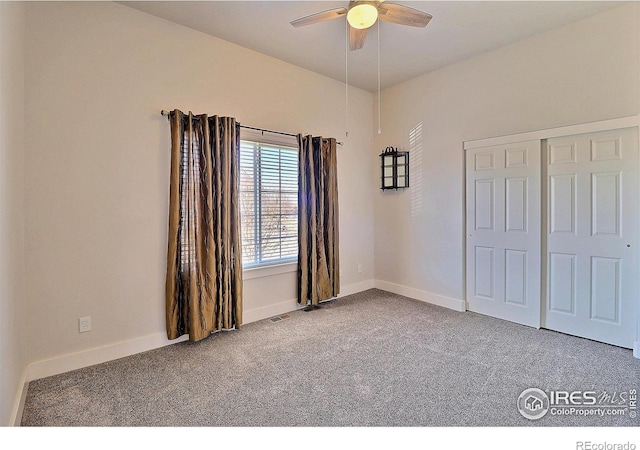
column 268, row 200
column 190, row 174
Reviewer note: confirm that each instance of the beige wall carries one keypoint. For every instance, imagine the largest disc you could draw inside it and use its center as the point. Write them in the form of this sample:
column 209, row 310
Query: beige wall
column 586, row 71
column 97, row 76
column 13, row 326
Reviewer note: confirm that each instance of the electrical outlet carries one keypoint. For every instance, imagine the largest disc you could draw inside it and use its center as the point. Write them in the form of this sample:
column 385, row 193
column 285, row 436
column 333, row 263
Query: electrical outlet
column 359, row 268
column 84, row 324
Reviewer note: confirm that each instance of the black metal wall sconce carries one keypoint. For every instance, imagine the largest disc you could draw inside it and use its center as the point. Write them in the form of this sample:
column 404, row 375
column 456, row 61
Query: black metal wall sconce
column 395, row 169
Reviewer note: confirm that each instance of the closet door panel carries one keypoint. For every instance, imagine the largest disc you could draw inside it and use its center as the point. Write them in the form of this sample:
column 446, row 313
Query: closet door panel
column 503, row 231
column 592, row 240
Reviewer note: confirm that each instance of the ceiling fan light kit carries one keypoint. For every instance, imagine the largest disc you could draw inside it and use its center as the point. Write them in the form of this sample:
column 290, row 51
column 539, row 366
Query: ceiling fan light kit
column 362, row 15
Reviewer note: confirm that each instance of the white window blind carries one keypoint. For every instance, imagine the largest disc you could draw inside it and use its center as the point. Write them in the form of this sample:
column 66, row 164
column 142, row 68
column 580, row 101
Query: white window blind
column 189, row 209
column 268, row 200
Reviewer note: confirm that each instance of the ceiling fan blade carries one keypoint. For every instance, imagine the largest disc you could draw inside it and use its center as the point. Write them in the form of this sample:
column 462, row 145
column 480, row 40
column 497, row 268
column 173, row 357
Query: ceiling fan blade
column 319, row 17
column 356, row 38
column 403, row 15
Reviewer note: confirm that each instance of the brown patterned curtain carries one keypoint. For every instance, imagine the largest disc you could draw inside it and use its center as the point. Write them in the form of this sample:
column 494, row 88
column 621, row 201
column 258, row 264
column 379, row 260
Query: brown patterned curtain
column 204, row 260
column 318, row 262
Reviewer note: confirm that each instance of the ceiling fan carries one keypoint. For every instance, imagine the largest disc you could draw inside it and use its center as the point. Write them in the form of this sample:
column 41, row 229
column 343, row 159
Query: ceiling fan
column 361, row 15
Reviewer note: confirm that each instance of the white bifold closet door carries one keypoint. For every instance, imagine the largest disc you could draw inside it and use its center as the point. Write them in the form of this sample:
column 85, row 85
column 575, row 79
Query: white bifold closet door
column 504, row 231
column 592, row 236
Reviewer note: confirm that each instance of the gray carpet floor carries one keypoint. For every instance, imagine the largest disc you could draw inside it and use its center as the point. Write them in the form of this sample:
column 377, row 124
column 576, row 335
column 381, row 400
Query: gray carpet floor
column 369, row 359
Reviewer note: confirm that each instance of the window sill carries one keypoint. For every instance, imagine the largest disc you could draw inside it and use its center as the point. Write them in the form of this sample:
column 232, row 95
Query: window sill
column 267, row 271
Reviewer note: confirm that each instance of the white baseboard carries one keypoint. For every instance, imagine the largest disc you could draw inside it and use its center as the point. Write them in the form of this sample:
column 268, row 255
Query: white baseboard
column 92, row 356
column 424, row 296
column 636, row 349
column 356, row 287
column 21, row 396
column 256, row 314
column 97, row 355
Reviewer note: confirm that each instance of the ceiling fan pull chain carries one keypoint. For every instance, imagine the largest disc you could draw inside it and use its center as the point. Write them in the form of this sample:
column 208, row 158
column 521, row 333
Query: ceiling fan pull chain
column 346, row 80
column 379, row 127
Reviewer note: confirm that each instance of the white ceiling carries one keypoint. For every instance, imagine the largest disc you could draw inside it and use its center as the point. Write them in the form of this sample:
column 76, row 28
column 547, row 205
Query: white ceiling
column 458, row 30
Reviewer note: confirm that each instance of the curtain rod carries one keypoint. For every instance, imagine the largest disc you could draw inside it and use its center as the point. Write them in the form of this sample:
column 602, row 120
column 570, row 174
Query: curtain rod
column 166, row 113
